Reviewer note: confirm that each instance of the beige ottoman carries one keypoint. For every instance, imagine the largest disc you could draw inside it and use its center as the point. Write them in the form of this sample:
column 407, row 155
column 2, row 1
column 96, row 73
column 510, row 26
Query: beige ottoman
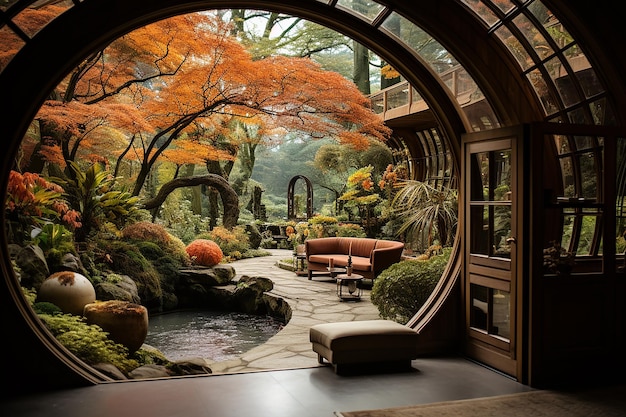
column 365, row 346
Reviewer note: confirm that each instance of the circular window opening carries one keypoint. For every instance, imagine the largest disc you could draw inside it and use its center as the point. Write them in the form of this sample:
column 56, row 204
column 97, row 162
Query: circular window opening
column 94, row 133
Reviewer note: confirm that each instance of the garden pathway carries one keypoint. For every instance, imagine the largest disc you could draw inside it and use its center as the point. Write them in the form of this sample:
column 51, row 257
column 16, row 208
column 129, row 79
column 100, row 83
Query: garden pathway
column 312, row 302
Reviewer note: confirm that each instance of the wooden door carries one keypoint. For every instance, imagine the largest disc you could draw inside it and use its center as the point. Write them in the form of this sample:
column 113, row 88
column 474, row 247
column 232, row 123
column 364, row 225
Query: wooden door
column 491, row 246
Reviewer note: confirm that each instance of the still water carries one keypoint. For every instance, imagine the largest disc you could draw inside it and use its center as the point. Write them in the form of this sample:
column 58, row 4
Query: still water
column 216, row 335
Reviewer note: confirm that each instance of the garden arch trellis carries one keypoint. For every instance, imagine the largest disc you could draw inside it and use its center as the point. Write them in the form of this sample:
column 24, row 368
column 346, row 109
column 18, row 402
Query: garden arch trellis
column 291, row 205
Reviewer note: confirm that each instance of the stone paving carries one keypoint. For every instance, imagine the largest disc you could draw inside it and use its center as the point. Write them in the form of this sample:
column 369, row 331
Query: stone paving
column 312, row 302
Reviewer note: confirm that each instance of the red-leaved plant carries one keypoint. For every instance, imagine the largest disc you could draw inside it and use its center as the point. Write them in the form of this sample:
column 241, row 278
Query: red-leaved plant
column 204, row 252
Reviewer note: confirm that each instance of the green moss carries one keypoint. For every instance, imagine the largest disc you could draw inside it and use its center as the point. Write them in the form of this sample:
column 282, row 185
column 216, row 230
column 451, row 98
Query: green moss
column 88, row 342
column 126, row 258
column 403, row 288
column 45, row 307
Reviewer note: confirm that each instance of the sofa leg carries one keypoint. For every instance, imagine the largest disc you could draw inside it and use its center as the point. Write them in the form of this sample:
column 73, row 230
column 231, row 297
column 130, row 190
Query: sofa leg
column 310, row 274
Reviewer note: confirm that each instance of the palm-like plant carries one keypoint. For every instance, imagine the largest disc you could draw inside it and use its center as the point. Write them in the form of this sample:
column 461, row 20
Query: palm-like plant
column 89, row 192
column 427, row 213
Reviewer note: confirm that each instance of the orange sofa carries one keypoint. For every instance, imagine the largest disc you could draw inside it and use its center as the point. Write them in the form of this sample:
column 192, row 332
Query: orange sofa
column 369, row 256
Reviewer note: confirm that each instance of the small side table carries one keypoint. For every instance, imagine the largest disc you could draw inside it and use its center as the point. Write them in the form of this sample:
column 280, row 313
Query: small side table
column 298, row 260
column 335, row 270
column 352, row 285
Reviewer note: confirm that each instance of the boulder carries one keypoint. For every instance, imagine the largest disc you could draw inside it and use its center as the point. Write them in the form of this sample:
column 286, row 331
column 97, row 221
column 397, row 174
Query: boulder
column 32, row 263
column 124, row 289
column 68, row 290
column 126, row 323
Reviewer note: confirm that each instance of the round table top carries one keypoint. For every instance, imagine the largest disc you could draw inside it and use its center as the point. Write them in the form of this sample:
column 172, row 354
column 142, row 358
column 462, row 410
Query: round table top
column 346, row 277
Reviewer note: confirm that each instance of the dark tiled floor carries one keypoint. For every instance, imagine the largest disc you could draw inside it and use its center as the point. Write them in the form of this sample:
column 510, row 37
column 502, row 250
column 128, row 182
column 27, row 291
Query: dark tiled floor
column 300, row 392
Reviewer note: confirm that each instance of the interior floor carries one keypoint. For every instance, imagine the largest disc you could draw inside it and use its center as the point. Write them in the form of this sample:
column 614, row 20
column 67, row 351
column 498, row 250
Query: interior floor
column 296, row 392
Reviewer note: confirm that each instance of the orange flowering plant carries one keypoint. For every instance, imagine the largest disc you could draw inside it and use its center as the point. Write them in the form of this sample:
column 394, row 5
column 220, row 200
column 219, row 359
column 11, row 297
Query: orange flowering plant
column 32, row 201
column 204, row 252
column 361, row 190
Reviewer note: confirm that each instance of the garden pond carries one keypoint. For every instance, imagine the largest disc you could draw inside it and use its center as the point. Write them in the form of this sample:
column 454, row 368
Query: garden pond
column 215, row 335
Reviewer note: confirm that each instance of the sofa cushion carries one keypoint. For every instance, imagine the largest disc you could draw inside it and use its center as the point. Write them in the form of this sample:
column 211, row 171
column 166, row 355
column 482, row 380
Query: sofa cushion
column 358, row 263
column 362, row 247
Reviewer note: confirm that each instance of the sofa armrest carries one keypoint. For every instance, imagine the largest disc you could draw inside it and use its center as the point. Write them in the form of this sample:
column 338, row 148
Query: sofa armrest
column 382, row 258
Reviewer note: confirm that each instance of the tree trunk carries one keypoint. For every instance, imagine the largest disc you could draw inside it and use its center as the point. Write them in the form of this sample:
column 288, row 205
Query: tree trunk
column 361, row 68
column 230, row 200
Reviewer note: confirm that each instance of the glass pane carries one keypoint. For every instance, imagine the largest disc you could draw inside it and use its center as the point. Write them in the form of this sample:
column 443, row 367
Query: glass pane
column 588, row 175
column 501, row 325
column 578, row 115
column 482, row 11
column 602, row 112
column 586, row 76
column 501, row 231
column 378, row 103
column 479, row 239
column 480, row 179
column 561, row 144
column 455, row 77
column 420, row 41
column 620, row 197
column 10, row 44
column 502, row 191
column 480, row 306
column 31, row 20
column 504, row 5
column 515, row 47
column 563, row 82
column 533, row 36
column 567, row 176
column 585, row 142
column 398, row 96
column 415, row 96
column 553, row 26
column 541, row 89
column 365, row 8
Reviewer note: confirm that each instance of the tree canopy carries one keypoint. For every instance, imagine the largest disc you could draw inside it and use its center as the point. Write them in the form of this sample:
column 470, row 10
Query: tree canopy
column 171, row 90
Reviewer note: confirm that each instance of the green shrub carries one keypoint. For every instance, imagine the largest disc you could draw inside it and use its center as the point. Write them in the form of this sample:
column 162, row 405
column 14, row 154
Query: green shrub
column 45, row 307
column 232, row 242
column 88, row 342
column 403, row 288
column 350, row 230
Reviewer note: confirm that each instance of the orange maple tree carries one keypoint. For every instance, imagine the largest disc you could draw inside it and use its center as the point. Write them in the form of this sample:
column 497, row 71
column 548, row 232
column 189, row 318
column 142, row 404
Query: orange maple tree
column 167, row 91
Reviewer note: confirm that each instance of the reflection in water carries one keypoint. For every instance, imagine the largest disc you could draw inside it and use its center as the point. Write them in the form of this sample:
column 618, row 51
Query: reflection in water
column 216, row 335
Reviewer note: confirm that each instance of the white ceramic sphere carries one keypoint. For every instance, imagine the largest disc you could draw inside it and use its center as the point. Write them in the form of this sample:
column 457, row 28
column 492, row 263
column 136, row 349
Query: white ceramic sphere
column 68, row 290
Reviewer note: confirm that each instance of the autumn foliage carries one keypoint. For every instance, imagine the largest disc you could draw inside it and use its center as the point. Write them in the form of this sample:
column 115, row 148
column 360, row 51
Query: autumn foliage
column 204, row 252
column 171, row 91
column 30, row 196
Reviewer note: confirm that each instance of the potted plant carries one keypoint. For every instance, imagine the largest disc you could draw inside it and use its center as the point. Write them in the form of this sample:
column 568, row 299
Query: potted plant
column 557, row 260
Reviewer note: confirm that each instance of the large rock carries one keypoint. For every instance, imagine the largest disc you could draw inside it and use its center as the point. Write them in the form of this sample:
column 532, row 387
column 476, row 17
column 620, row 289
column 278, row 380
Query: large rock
column 32, row 263
column 207, row 277
column 126, row 323
column 249, row 294
column 123, row 288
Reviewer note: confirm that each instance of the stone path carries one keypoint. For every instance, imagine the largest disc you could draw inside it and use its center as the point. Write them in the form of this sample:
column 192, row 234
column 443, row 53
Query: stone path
column 312, row 302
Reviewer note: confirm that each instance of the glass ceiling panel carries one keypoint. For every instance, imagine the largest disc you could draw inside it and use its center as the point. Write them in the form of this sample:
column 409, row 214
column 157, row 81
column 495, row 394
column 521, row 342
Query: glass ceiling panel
column 483, row 11
column 504, row 5
column 421, row 42
column 515, row 47
column 549, row 56
column 452, row 74
column 533, row 36
column 364, row 8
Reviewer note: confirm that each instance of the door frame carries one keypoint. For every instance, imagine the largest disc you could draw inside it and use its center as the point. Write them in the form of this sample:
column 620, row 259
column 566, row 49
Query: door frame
column 509, row 358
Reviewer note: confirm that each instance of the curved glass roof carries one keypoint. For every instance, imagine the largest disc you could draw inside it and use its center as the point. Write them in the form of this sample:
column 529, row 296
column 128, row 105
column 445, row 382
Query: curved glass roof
column 565, row 84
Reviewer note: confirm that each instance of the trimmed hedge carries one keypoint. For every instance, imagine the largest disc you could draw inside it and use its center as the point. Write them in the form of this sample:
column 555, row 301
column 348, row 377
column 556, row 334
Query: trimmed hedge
column 403, row 288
